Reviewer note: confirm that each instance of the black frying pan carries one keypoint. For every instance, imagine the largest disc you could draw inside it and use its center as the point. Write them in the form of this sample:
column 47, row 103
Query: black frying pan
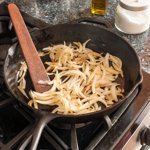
column 102, row 40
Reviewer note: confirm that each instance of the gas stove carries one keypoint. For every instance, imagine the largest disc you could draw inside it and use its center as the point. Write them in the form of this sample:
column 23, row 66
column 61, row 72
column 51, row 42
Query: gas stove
column 126, row 128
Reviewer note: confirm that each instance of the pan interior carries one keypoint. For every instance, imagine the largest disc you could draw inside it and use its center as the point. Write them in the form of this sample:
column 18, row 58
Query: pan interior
column 101, row 41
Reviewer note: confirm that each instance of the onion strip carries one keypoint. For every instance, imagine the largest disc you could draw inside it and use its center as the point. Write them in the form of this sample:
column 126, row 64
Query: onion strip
column 83, row 80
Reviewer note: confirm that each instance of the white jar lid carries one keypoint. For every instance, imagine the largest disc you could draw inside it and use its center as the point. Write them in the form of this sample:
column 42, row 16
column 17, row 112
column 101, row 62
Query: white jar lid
column 135, row 5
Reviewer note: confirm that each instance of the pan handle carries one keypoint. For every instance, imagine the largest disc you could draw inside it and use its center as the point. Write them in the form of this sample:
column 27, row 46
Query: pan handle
column 94, row 21
column 34, row 135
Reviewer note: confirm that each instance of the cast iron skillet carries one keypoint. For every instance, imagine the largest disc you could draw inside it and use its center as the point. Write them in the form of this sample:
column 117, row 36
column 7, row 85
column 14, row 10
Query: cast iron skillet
column 102, row 40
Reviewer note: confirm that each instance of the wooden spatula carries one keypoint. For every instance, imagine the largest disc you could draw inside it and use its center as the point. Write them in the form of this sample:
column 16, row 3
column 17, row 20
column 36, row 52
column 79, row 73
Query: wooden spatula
column 35, row 66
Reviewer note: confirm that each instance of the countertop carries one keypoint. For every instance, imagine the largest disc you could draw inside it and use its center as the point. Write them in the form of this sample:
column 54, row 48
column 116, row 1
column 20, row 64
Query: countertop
column 62, row 11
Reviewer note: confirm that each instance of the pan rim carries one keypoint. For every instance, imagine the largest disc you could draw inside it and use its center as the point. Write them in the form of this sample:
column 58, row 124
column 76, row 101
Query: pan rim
column 140, row 79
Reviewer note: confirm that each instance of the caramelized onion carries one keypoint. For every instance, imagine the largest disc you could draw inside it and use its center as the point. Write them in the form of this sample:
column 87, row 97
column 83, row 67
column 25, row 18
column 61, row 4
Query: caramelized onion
column 83, row 80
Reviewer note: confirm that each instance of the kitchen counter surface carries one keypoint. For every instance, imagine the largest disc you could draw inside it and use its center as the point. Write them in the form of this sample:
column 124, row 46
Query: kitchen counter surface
column 62, row 11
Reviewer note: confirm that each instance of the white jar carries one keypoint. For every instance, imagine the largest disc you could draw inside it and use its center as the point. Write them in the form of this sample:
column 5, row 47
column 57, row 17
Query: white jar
column 133, row 16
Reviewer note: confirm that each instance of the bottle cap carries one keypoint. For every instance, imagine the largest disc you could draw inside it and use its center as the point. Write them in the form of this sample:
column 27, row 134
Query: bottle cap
column 135, row 5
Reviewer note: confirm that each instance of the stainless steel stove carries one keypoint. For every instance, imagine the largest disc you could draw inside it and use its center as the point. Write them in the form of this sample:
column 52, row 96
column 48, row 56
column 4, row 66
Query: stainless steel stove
column 126, row 128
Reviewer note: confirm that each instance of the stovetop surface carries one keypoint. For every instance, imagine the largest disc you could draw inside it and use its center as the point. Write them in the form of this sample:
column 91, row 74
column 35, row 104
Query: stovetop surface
column 15, row 120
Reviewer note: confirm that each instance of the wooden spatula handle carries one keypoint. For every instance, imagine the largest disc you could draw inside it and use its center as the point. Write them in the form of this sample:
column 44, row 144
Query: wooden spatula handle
column 36, row 68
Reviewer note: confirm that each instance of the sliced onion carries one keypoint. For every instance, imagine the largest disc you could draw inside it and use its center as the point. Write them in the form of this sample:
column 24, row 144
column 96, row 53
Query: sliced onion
column 83, row 80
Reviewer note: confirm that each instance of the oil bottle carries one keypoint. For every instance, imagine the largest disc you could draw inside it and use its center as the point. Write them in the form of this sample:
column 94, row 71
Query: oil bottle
column 99, row 7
